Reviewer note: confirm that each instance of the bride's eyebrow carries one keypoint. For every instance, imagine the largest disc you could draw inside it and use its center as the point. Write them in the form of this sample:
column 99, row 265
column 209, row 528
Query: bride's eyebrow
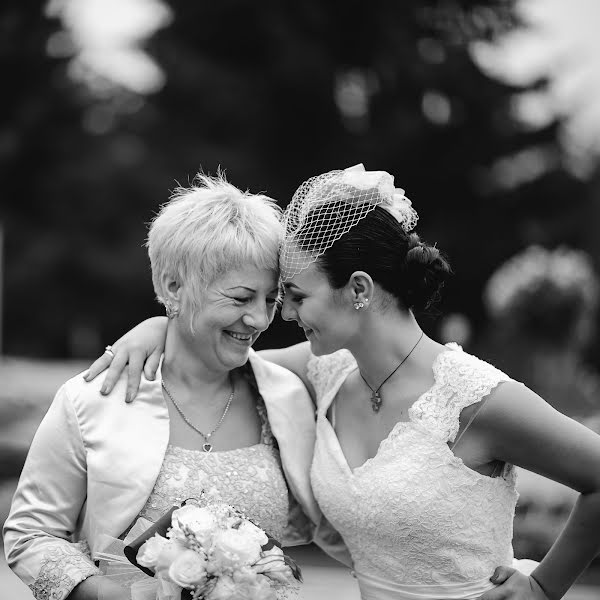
column 289, row 285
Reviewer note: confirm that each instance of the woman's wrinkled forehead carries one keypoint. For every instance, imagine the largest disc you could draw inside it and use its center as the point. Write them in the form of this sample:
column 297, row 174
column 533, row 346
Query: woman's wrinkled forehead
column 250, row 276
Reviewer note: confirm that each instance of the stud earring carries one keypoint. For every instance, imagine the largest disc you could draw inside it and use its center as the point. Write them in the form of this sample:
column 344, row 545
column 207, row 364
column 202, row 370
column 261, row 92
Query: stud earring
column 358, row 305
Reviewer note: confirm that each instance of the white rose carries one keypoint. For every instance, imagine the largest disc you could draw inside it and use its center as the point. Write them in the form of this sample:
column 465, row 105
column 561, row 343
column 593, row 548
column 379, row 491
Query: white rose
column 198, row 520
column 252, row 531
column 188, row 569
column 272, row 564
column 233, row 549
column 251, row 586
column 148, row 553
column 168, row 553
column 243, row 585
column 224, row 589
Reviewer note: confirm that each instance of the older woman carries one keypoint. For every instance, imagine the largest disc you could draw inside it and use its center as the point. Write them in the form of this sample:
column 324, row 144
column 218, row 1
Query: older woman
column 216, row 416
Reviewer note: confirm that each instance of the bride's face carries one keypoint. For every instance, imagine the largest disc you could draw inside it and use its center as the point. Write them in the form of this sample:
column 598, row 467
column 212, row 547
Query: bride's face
column 326, row 315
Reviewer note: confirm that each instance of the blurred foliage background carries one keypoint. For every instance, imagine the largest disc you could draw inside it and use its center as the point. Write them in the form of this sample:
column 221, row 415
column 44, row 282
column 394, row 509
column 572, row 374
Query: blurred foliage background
column 273, row 93
column 92, row 140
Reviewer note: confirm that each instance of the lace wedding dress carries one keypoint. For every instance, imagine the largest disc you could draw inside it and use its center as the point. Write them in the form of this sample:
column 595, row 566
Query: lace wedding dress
column 418, row 523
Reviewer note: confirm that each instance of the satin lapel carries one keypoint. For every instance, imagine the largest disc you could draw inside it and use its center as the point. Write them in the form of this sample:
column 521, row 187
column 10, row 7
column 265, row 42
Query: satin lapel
column 127, row 468
column 292, row 419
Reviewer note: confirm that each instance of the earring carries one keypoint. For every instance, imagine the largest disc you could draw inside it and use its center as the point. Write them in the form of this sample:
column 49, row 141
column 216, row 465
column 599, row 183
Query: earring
column 358, row 305
column 172, row 311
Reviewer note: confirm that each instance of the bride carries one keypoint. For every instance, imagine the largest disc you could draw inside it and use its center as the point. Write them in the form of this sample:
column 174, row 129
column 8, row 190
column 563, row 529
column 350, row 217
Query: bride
column 416, row 442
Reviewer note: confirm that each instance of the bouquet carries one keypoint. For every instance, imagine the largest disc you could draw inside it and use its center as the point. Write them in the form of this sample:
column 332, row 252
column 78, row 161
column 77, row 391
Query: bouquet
column 213, row 552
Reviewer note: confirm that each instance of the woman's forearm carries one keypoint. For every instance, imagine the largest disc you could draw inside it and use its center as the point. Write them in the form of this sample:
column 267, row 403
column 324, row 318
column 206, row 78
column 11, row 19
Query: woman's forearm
column 574, row 549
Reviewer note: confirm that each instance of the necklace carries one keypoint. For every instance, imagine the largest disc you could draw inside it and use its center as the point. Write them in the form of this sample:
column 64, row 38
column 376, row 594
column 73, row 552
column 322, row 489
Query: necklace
column 207, row 446
column 376, row 398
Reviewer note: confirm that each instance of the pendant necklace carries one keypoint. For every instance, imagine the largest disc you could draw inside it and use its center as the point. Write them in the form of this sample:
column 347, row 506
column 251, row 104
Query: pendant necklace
column 376, row 398
column 207, row 446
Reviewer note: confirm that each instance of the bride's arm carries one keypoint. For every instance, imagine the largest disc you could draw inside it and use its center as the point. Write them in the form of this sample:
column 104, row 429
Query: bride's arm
column 139, row 350
column 522, row 429
column 293, row 358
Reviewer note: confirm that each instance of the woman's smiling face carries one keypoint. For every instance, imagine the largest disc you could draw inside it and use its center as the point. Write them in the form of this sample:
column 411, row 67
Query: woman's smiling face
column 235, row 310
column 326, row 315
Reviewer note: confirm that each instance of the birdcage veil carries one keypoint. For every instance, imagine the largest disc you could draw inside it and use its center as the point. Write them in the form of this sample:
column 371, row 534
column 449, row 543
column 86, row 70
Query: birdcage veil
column 327, row 206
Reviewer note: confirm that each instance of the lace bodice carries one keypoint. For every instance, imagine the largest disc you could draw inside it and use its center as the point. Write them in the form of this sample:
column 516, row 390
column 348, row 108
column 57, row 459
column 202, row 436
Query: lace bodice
column 249, row 478
column 414, row 513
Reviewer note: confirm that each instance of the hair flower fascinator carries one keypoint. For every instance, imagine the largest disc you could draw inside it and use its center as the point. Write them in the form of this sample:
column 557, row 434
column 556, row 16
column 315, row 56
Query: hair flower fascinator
column 327, row 206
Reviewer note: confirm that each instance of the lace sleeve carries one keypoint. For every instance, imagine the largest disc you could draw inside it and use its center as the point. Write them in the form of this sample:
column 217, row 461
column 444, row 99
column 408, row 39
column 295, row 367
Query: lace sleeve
column 323, row 371
column 63, row 566
column 461, row 380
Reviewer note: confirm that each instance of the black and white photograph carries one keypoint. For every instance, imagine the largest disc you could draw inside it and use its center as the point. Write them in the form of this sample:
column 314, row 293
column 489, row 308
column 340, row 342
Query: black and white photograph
column 300, row 300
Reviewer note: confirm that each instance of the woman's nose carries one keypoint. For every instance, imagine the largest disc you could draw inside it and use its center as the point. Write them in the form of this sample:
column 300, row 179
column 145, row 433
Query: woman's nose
column 287, row 310
column 258, row 318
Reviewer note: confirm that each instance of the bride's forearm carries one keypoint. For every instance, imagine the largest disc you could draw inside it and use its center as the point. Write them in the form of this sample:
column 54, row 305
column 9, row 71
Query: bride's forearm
column 574, row 549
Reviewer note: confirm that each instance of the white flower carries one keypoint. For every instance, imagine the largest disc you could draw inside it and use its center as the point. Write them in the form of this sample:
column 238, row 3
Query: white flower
column 168, row 553
column 148, row 553
column 252, row 531
column 233, row 549
column 198, row 520
column 272, row 564
column 224, row 589
column 400, row 207
column 366, row 180
column 242, row 585
column 188, row 569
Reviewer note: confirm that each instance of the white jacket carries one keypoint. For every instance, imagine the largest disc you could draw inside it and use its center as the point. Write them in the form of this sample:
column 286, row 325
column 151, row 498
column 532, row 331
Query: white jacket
column 94, row 462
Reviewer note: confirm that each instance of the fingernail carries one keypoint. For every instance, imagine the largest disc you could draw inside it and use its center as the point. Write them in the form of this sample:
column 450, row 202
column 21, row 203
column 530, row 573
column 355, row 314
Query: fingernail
column 128, row 398
column 103, row 391
column 494, row 578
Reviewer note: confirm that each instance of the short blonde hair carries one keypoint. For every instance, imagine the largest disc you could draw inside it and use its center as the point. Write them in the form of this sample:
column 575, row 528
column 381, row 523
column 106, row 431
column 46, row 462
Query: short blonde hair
column 208, row 229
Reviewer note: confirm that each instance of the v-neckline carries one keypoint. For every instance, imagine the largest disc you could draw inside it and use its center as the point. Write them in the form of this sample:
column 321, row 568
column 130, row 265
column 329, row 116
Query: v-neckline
column 398, row 425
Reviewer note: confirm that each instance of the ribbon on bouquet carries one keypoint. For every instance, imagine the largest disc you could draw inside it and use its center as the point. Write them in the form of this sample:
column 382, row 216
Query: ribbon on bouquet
column 115, row 563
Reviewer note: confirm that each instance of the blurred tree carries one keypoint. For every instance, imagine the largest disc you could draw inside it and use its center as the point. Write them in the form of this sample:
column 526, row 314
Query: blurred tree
column 274, row 92
column 279, row 92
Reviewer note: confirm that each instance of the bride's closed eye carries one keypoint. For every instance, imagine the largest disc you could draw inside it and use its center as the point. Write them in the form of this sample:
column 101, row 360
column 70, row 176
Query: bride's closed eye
column 294, row 298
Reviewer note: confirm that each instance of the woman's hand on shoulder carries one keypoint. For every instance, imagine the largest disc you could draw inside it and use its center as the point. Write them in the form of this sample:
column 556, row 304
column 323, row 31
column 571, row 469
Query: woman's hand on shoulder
column 513, row 585
column 139, row 350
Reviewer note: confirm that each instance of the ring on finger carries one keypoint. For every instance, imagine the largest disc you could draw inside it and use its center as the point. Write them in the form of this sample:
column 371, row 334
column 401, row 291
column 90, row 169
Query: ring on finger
column 108, row 350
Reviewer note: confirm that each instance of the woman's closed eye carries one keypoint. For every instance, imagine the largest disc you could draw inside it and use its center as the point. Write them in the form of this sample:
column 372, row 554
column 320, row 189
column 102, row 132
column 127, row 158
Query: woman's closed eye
column 246, row 300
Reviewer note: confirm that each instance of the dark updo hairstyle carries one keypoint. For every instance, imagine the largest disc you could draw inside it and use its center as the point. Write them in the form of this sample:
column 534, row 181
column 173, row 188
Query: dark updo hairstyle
column 412, row 271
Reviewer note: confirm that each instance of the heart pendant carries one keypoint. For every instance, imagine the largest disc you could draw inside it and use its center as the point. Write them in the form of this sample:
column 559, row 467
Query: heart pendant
column 207, row 447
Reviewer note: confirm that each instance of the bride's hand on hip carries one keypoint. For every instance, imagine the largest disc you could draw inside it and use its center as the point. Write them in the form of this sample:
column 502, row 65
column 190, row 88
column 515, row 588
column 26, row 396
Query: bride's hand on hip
column 139, row 350
column 513, row 585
